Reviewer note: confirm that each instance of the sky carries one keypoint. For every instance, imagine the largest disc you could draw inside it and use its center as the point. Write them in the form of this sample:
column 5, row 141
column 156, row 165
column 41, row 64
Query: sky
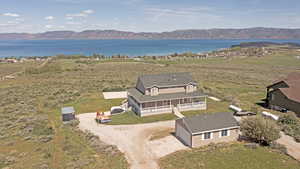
column 33, row 16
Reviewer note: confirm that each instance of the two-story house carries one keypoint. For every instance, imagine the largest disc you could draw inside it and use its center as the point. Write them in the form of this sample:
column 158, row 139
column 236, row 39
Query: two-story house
column 161, row 93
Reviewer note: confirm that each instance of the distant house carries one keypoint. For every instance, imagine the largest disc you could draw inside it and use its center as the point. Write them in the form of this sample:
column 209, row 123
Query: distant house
column 162, row 93
column 68, row 114
column 284, row 94
column 203, row 129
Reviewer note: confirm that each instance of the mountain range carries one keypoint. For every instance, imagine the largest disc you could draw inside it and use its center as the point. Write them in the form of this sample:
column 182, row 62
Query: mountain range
column 246, row 33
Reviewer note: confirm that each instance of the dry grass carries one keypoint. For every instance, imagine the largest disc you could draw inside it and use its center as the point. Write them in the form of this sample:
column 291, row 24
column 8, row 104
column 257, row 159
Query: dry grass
column 161, row 134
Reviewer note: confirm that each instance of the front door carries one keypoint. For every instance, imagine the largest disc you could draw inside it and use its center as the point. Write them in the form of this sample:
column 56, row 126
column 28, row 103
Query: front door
column 175, row 102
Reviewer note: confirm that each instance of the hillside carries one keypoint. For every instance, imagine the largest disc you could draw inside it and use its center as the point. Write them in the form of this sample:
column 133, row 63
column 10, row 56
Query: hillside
column 247, row 33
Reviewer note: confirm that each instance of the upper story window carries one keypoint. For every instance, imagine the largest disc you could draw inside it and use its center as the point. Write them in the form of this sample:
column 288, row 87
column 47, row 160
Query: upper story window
column 190, row 88
column 154, row 91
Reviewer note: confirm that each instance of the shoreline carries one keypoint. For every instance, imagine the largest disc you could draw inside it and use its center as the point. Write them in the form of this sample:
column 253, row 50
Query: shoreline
column 200, row 47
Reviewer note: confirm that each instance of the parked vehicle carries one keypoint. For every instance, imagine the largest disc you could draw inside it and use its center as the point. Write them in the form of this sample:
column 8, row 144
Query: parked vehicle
column 116, row 110
column 102, row 118
column 240, row 112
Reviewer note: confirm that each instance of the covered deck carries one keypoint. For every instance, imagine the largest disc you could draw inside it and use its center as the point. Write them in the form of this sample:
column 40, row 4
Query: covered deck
column 148, row 105
column 183, row 104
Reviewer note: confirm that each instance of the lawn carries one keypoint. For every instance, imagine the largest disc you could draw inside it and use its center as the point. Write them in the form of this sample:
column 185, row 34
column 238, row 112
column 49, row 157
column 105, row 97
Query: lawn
column 235, row 156
column 131, row 118
column 93, row 103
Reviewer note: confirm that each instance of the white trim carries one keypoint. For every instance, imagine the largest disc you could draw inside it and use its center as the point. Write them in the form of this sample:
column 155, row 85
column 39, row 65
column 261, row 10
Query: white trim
column 211, row 136
column 220, row 133
column 216, row 130
column 191, row 97
column 180, row 85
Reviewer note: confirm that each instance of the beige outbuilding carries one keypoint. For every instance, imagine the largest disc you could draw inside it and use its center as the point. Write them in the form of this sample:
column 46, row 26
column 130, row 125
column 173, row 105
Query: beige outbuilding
column 207, row 128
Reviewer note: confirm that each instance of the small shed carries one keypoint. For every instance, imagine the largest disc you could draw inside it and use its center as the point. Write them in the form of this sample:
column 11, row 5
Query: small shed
column 68, row 113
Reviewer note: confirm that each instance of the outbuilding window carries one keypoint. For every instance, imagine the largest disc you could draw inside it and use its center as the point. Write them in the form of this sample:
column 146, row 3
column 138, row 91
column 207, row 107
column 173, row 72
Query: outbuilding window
column 224, row 133
column 207, row 136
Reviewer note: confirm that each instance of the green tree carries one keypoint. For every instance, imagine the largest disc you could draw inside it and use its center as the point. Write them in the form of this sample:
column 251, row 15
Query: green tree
column 260, row 130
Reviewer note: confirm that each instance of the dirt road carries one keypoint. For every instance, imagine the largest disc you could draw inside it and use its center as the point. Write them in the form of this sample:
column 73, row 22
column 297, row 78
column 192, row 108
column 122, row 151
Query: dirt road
column 133, row 140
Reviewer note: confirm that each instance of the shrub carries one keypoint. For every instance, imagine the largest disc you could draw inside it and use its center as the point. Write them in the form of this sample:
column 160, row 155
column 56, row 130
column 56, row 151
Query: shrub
column 289, row 119
column 260, row 130
column 48, row 68
column 290, row 125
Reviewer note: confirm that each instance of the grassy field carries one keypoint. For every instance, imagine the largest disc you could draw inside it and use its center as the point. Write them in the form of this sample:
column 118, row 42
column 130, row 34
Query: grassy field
column 33, row 136
column 235, row 156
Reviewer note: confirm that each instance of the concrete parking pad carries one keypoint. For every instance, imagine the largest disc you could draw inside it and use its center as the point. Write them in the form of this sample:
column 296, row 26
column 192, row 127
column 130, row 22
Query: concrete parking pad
column 214, row 98
column 115, row 95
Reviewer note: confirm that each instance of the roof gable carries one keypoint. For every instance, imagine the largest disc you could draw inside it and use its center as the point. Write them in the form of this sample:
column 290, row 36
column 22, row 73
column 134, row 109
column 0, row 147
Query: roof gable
column 292, row 93
column 290, row 80
column 292, row 88
column 166, row 80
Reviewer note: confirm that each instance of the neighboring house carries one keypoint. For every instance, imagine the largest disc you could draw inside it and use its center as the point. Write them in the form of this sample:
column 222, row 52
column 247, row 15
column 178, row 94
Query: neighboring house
column 284, row 94
column 162, row 93
column 204, row 129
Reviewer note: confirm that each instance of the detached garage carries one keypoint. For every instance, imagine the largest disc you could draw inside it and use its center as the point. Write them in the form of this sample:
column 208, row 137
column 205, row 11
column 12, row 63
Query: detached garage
column 207, row 128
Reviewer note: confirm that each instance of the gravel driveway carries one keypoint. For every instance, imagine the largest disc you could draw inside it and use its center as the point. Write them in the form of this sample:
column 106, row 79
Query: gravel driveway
column 293, row 148
column 133, row 140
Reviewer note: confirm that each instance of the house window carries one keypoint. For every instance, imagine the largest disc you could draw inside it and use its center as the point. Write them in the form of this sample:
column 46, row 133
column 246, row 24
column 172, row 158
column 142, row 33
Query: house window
column 207, row 136
column 224, row 133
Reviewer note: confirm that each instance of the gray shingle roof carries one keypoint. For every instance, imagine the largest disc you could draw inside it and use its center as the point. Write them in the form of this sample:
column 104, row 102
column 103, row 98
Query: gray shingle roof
column 208, row 122
column 165, row 80
column 140, row 97
column 67, row 110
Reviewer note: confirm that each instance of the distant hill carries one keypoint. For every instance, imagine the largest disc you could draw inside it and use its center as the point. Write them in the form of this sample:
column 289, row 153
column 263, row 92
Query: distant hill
column 266, row 44
column 247, row 33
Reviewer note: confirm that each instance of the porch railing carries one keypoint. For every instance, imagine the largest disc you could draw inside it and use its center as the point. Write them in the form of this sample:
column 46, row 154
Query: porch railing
column 169, row 108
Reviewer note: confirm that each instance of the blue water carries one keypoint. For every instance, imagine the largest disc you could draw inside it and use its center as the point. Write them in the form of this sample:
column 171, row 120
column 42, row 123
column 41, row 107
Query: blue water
column 113, row 47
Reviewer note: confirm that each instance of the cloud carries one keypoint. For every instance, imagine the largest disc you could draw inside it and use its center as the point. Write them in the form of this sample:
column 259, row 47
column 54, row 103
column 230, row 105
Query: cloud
column 77, row 15
column 20, row 19
column 192, row 14
column 73, row 23
column 11, row 14
column 54, row 26
column 84, row 13
column 89, row 11
column 49, row 17
column 49, row 26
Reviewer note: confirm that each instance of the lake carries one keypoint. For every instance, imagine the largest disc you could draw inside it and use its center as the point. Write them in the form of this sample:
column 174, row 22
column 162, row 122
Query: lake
column 113, row 47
